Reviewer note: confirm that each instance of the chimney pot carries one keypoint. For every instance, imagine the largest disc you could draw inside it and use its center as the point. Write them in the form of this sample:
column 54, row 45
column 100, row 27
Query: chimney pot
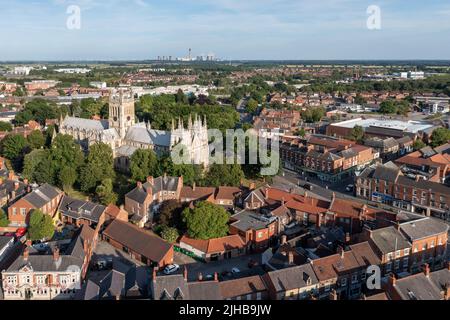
column 200, row 277
column 291, row 257
column 56, row 254
column 26, row 253
column 426, row 269
column 392, row 280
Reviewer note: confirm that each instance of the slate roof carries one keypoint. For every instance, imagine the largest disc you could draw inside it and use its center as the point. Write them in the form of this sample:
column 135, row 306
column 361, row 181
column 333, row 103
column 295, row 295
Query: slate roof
column 73, row 255
column 120, row 281
column 7, row 186
column 417, row 287
column 175, row 287
column 293, row 278
column 389, row 240
column 137, row 194
column 250, row 220
column 163, row 183
column 423, row 228
column 85, row 124
column 79, row 209
column 141, row 134
column 4, row 241
column 42, row 195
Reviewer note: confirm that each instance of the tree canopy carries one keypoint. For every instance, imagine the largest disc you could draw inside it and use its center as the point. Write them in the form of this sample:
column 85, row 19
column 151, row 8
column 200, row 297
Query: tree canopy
column 206, row 221
column 40, row 226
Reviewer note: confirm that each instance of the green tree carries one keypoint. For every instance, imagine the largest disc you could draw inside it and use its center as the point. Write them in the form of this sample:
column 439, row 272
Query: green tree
column 224, row 175
column 4, row 222
column 99, row 166
column 13, row 146
column 440, row 136
column 144, row 163
column 206, row 221
column 419, row 144
column 67, row 176
column 41, row 226
column 169, row 234
column 31, row 162
column 105, row 192
column 170, row 214
column 5, row 126
column 357, row 134
column 64, row 153
column 36, row 139
column 252, row 106
column 388, row 107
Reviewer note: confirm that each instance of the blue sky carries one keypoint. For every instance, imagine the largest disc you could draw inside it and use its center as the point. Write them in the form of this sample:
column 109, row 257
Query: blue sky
column 232, row 29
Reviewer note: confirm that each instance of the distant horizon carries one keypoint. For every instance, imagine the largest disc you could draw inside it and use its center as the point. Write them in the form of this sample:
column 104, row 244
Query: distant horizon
column 251, row 30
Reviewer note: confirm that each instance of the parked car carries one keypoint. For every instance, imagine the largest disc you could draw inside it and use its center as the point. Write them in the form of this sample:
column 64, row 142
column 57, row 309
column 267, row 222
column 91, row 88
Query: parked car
column 21, row 232
column 41, row 247
column 235, row 270
column 104, row 263
column 171, row 269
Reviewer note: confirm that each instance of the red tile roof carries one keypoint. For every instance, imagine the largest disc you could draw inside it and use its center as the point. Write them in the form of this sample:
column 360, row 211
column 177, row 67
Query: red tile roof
column 215, row 245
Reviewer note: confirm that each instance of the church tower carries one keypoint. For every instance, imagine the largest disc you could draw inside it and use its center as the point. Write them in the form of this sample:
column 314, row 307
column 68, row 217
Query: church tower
column 121, row 111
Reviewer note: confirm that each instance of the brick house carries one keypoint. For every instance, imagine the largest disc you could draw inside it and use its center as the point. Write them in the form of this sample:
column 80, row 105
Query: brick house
column 248, row 288
column 45, row 198
column 142, row 201
column 387, row 184
column 295, row 283
column 57, row 275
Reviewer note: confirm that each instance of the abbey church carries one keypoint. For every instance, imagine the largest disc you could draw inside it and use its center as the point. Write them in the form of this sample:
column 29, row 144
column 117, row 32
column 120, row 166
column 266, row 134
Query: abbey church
column 125, row 136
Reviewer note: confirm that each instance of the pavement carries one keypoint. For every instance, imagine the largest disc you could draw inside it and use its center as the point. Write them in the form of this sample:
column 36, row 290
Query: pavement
column 208, row 269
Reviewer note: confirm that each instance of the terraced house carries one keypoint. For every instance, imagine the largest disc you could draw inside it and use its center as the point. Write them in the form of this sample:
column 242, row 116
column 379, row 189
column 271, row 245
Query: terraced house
column 326, row 158
column 387, row 184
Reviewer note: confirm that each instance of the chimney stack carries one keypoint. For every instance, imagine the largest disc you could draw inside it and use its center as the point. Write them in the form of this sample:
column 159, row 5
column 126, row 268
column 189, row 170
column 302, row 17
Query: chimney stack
column 150, row 180
column 26, row 253
column 447, row 291
column 252, row 186
column 348, row 238
column 333, row 295
column 340, row 251
column 283, row 239
column 291, row 257
column 426, row 270
column 392, row 280
column 56, row 254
